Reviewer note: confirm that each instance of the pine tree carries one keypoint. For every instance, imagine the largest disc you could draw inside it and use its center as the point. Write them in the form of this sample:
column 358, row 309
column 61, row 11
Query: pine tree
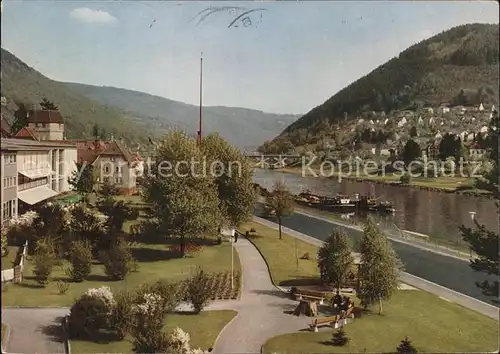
column 340, row 338
column 484, row 243
column 405, row 347
column 335, row 259
column 380, row 267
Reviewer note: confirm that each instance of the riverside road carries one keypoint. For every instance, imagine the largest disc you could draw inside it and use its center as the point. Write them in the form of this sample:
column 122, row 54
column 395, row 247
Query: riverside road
column 446, row 271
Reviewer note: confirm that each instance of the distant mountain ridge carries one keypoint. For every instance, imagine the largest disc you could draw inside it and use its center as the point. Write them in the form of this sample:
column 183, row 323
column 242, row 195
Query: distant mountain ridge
column 246, row 128
column 457, row 66
column 23, row 84
column 128, row 114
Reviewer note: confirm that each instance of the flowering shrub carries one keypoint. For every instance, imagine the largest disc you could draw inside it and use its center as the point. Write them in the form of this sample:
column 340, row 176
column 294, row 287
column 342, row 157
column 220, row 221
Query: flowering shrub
column 24, row 219
column 178, row 342
column 104, row 294
column 147, row 325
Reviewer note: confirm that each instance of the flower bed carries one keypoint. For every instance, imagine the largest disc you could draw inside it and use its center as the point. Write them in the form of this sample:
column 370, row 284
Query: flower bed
column 221, row 283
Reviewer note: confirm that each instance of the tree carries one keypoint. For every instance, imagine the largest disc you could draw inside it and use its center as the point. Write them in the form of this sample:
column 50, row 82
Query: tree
column 413, row 132
column 20, row 118
column 86, row 225
column 335, row 260
column 48, row 105
column 411, row 151
column 81, row 260
column 380, row 267
column 82, row 180
column 117, row 212
column 234, row 179
column 340, row 338
column 449, row 146
column 280, row 202
column 406, row 347
column 183, row 197
column 484, row 243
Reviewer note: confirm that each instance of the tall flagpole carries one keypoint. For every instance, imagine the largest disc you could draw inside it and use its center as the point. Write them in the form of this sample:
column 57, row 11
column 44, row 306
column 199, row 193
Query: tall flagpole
column 201, row 99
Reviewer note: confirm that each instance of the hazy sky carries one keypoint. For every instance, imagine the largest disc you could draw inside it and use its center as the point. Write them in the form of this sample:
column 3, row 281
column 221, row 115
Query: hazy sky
column 289, row 59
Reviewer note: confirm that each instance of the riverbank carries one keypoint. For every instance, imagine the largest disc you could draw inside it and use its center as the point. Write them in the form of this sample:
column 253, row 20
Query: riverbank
column 459, row 185
column 430, row 320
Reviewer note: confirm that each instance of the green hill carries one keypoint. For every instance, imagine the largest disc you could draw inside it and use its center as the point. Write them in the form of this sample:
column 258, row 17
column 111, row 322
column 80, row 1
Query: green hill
column 23, row 84
column 245, row 128
column 457, row 66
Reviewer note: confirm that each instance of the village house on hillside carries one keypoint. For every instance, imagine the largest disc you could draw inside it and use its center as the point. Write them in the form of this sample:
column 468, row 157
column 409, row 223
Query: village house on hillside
column 112, row 159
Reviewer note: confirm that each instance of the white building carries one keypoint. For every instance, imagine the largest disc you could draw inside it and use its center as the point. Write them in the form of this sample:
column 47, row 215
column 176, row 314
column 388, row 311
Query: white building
column 32, row 172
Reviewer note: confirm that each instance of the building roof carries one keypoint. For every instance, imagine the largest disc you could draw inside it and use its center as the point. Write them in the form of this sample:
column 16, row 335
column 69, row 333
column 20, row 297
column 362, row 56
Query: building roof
column 45, row 116
column 27, row 133
column 14, row 144
column 91, row 150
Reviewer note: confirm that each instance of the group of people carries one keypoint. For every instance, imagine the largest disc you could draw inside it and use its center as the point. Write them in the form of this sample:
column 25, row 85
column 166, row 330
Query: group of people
column 342, row 303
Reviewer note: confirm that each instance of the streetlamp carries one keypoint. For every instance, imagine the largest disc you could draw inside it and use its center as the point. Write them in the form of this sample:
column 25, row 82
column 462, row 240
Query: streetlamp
column 230, row 233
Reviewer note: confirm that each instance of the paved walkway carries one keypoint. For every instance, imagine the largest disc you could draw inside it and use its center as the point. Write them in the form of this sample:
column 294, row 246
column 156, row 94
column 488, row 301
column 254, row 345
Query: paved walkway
column 34, row 330
column 261, row 309
column 448, row 294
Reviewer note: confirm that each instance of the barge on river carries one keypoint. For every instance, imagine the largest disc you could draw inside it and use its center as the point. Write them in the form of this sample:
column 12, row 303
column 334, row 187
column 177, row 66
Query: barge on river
column 342, row 202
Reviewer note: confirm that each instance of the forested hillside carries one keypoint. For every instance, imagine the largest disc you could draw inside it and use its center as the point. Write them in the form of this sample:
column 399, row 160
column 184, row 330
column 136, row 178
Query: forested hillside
column 458, row 66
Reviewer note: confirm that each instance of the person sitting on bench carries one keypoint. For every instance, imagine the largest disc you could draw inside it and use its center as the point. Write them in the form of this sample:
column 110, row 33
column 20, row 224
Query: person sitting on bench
column 337, row 300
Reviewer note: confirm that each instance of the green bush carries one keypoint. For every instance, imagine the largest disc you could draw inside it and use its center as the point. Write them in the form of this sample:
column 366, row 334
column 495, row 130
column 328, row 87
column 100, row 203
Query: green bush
column 118, row 261
column 62, row 287
column 405, row 179
column 200, row 290
column 406, row 347
column 87, row 316
column 81, row 260
column 121, row 315
column 340, row 338
column 170, row 293
column 43, row 261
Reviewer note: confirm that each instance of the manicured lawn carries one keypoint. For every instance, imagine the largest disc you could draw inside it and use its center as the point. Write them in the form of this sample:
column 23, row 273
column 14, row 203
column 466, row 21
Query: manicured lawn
column 10, row 258
column 434, row 325
column 203, row 329
column 281, row 256
column 155, row 262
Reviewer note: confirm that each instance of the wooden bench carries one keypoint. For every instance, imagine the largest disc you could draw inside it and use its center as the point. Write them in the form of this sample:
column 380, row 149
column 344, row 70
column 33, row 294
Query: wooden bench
column 310, row 295
column 321, row 321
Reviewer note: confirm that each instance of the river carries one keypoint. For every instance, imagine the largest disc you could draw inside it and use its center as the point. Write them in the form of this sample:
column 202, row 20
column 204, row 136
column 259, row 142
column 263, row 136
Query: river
column 437, row 215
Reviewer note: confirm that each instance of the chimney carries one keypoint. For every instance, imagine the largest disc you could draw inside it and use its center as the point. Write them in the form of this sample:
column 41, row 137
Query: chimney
column 112, row 137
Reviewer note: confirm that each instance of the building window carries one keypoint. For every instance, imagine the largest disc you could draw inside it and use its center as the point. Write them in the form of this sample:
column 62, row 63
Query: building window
column 106, row 169
column 117, row 169
column 10, row 158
